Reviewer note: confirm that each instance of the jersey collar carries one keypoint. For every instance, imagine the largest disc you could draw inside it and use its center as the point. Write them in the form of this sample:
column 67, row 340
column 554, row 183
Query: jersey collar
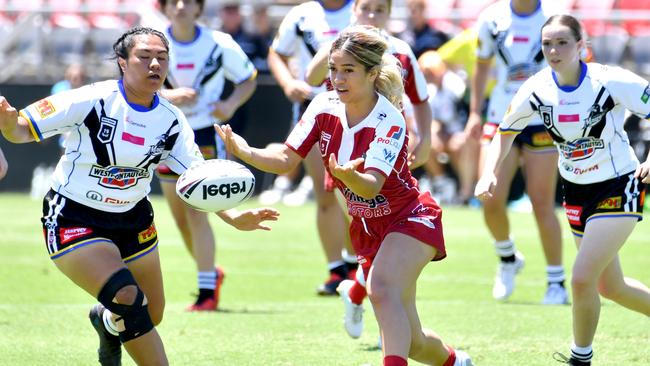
column 524, row 15
column 197, row 34
column 570, row 88
column 137, row 107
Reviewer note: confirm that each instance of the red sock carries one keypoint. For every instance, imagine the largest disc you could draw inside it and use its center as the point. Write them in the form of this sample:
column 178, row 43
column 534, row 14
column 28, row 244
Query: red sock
column 452, row 357
column 357, row 293
column 393, row 360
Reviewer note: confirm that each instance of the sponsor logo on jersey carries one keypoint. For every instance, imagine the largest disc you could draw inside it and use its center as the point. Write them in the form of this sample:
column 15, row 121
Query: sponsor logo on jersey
column 70, row 233
column 395, row 132
column 188, row 66
column 646, row 94
column 580, row 171
column 324, row 144
column 391, row 142
column 423, row 221
column 95, row 196
column 520, row 72
column 567, row 118
column 596, row 115
column 520, row 39
column 137, row 140
column 581, row 148
column 132, row 122
column 610, row 203
column 363, row 207
column 147, row 235
column 568, row 102
column 106, row 129
column 117, row 177
column 44, row 108
column 573, row 213
column 381, row 116
column 389, row 155
column 115, row 201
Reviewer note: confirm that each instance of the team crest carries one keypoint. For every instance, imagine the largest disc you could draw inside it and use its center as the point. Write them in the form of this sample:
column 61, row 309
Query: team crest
column 546, row 113
column 44, row 108
column 325, row 139
column 106, row 129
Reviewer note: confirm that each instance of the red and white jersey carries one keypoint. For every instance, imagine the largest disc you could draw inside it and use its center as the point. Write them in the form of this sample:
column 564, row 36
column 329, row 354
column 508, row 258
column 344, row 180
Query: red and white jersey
column 516, row 42
column 415, row 85
column 585, row 121
column 306, row 28
column 112, row 147
column 380, row 139
column 204, row 64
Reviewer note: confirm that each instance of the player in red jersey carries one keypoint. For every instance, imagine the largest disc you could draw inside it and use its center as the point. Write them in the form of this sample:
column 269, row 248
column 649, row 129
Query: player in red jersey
column 396, row 230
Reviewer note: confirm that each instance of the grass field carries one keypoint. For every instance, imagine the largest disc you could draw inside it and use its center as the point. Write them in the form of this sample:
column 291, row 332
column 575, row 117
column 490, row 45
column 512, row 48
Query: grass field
column 271, row 315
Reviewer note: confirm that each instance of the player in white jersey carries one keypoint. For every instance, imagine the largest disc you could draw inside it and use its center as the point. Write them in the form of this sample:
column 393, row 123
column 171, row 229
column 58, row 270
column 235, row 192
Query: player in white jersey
column 201, row 60
column 97, row 219
column 583, row 108
column 302, row 32
column 396, row 230
column 509, row 31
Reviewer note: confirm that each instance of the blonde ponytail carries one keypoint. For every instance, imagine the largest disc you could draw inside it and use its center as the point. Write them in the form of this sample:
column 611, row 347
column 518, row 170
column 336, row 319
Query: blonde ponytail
column 389, row 82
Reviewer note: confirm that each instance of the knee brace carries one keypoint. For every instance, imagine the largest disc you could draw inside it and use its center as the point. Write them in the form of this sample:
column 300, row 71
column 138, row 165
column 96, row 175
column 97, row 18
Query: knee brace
column 136, row 317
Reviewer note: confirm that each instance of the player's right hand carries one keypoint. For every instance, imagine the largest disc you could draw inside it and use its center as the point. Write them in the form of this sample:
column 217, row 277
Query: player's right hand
column 297, row 91
column 235, row 144
column 8, row 114
column 485, row 186
column 474, row 126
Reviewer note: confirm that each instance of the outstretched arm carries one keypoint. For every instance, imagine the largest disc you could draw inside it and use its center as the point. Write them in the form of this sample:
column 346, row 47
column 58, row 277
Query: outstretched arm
column 366, row 185
column 14, row 128
column 276, row 158
column 249, row 220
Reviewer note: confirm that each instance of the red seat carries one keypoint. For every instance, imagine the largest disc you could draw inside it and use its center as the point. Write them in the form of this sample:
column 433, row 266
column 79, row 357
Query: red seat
column 636, row 27
column 593, row 15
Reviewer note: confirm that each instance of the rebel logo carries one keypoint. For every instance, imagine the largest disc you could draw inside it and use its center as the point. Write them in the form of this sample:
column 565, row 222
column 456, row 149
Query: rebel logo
column 225, row 189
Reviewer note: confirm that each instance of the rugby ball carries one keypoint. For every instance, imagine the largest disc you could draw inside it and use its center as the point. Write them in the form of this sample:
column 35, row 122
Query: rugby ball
column 215, row 185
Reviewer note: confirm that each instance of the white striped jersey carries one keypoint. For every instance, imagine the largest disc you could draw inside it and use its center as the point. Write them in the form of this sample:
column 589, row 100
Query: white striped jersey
column 585, row 121
column 515, row 40
column 112, row 147
column 306, row 28
column 204, row 64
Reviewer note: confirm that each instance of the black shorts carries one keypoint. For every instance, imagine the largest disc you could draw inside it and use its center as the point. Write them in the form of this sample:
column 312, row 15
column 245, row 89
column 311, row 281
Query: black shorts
column 210, row 146
column 617, row 197
column 68, row 225
column 533, row 138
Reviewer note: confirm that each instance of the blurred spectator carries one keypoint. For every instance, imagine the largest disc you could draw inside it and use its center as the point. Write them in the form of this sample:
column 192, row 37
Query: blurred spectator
column 419, row 34
column 75, row 77
column 255, row 46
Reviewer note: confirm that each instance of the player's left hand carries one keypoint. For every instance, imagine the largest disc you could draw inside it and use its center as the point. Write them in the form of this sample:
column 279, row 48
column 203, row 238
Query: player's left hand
column 253, row 219
column 222, row 110
column 342, row 172
column 4, row 166
column 643, row 172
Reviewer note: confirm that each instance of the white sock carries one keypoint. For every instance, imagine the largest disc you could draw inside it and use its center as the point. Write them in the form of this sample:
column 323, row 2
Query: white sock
column 505, row 248
column 347, row 257
column 555, row 274
column 583, row 354
column 109, row 324
column 281, row 182
column 207, row 280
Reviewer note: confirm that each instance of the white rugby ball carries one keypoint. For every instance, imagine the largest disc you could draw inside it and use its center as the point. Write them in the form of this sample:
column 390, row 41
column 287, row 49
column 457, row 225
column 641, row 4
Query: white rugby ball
column 215, row 185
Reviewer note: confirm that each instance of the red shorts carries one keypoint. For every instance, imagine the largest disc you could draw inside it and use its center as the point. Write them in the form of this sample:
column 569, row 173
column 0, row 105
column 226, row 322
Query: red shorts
column 422, row 222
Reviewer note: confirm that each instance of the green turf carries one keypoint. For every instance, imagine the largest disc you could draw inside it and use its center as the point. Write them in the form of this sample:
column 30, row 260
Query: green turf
column 271, row 315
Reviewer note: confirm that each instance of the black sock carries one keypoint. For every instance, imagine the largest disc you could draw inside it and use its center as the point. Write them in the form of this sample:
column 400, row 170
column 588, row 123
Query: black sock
column 204, row 294
column 340, row 271
column 561, row 283
column 508, row 259
column 351, row 266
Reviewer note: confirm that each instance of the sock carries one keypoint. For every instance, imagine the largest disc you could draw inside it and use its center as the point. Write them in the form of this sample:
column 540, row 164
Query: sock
column 109, row 325
column 555, row 274
column 506, row 250
column 357, row 293
column 452, row 357
column 393, row 360
column 281, row 182
column 582, row 354
column 351, row 263
column 207, row 282
column 338, row 268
